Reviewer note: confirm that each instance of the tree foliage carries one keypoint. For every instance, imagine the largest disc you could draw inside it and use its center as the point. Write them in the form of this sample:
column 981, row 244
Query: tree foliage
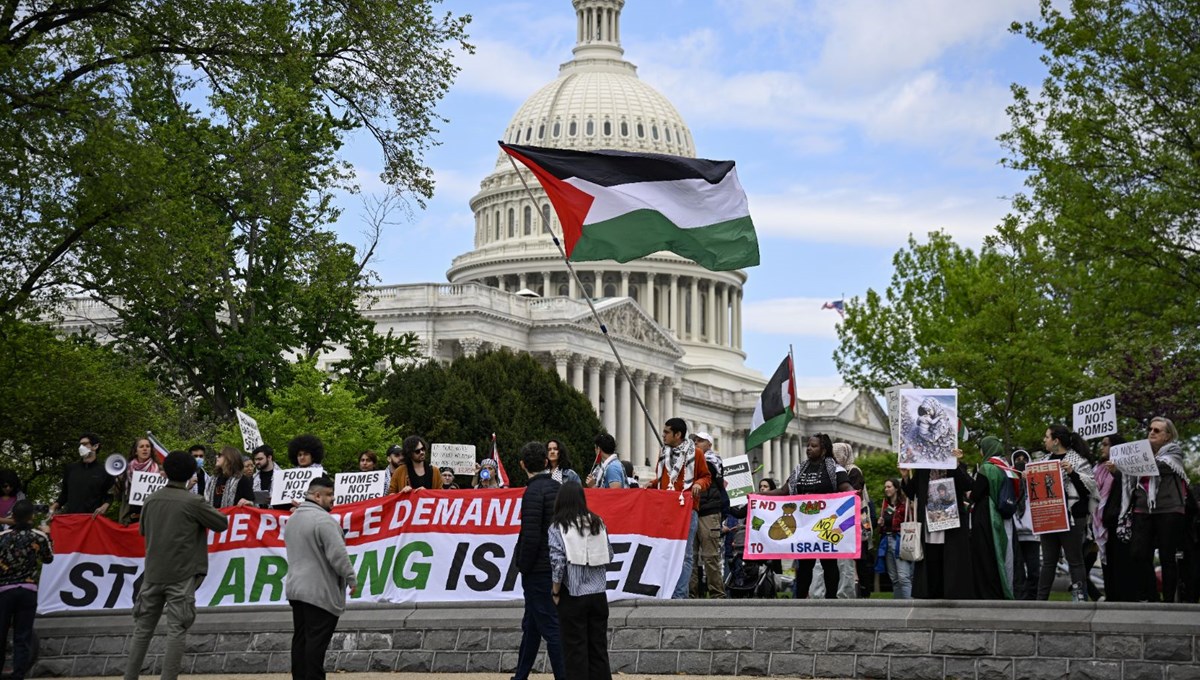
column 56, row 389
column 508, row 394
column 313, row 402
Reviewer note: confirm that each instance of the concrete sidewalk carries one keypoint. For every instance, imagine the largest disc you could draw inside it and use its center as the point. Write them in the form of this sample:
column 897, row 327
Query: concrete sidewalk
column 421, row 676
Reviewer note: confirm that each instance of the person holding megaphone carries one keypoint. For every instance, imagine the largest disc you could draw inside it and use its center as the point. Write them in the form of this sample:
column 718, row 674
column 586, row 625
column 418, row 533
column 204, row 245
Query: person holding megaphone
column 86, row 484
column 140, row 459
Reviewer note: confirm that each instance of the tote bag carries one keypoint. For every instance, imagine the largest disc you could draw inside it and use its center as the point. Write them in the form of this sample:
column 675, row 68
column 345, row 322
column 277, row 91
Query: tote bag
column 911, row 548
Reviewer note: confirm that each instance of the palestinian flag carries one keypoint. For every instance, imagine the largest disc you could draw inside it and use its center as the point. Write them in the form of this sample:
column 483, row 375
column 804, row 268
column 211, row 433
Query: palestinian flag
column 500, row 471
column 159, row 451
column 621, row 206
column 776, row 406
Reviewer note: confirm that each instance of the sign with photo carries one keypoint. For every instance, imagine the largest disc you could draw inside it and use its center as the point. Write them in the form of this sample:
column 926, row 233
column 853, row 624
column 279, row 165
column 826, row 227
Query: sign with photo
column 1047, row 497
column 928, row 428
column 352, row 487
column 941, row 508
column 892, row 394
column 816, row 526
column 291, row 484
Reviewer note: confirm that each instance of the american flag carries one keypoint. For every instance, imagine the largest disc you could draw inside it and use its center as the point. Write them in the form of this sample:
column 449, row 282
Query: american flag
column 838, row 306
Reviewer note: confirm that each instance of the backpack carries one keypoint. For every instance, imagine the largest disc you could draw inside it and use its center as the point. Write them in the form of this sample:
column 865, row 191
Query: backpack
column 1012, row 497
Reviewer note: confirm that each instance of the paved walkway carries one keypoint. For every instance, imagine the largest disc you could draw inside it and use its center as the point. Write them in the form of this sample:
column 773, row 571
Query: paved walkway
column 421, row 676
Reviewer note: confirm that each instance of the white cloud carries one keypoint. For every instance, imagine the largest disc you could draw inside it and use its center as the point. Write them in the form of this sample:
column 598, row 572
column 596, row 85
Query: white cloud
column 456, row 186
column 503, row 69
column 798, row 316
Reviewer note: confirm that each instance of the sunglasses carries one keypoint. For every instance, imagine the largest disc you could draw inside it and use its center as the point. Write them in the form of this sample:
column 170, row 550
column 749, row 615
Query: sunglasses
column 420, row 450
column 1158, row 430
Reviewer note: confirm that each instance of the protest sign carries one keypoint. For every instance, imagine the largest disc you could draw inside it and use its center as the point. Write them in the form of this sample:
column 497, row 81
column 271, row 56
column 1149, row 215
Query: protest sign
column 251, row 438
column 1134, row 458
column 352, row 487
column 739, row 482
column 1046, row 496
column 824, row 526
column 292, row 484
column 928, row 428
column 432, row 546
column 941, row 510
column 457, row 457
column 1095, row 418
column 892, row 394
column 143, row 484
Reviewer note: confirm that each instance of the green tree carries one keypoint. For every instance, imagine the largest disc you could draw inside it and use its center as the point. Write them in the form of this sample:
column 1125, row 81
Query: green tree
column 56, row 389
column 509, row 394
column 317, row 403
column 987, row 324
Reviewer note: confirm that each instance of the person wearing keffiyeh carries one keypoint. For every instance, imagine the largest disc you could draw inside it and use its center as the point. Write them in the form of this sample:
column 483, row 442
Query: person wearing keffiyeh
column 141, row 459
column 1158, row 509
column 1082, row 498
column 681, row 467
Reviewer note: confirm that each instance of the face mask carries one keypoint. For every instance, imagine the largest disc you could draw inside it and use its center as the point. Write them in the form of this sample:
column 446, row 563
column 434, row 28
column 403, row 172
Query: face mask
column 1020, row 465
column 199, row 463
column 485, row 474
column 84, row 451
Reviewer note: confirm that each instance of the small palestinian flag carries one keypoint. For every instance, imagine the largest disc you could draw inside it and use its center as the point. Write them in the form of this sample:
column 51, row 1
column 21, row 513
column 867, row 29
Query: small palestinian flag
column 160, row 451
column 500, row 471
column 776, row 406
column 621, row 206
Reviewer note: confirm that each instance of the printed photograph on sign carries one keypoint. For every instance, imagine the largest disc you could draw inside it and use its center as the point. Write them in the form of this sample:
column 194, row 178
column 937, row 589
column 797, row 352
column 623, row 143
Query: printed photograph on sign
column 292, row 484
column 739, row 483
column 352, row 487
column 813, row 526
column 892, row 394
column 1135, row 459
column 1046, row 497
column 941, row 510
column 1095, row 418
column 928, row 428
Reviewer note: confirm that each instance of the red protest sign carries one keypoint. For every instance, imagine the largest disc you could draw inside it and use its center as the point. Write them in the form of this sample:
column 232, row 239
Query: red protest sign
column 1047, row 497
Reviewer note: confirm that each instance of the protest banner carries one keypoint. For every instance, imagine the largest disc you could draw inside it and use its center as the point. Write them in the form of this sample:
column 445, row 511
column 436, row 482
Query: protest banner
column 352, row 487
column 814, row 526
column 1095, row 418
column 892, row 394
column 941, row 510
column 251, row 438
column 291, row 484
column 739, row 482
column 430, row 546
column 928, row 428
column 1046, row 496
column 1135, row 459
column 457, row 457
column 143, row 484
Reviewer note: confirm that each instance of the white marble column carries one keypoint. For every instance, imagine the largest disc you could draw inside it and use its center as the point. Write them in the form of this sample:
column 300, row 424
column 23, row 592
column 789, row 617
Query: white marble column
column 597, row 284
column 737, row 320
column 624, row 425
column 624, row 284
column 676, row 401
column 672, row 314
column 638, row 419
column 694, row 333
column 501, row 283
column 522, row 281
column 572, row 288
column 710, row 328
column 654, row 403
column 767, row 461
column 737, row 439
column 593, row 388
column 610, row 398
column 577, row 373
column 547, row 291
column 561, row 357
column 648, row 298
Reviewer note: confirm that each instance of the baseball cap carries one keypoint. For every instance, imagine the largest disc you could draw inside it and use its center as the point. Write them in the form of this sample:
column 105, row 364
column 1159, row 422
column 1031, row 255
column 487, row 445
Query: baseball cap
column 697, row 436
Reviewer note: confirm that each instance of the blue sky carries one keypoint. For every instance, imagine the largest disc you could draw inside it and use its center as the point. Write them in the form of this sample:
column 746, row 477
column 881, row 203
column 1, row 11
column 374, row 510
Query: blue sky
column 854, row 123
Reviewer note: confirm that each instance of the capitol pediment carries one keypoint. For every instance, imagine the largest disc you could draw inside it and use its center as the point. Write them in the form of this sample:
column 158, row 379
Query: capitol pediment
column 625, row 319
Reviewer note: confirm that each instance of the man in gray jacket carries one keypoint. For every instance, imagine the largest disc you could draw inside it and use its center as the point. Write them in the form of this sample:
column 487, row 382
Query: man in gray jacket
column 175, row 524
column 319, row 571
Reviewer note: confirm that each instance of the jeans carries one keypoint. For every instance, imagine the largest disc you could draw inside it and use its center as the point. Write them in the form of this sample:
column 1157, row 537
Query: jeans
column 900, row 571
column 1027, row 563
column 847, row 575
column 1163, row 532
column 584, row 622
column 178, row 599
column 685, row 576
column 17, row 607
column 708, row 544
column 540, row 621
column 1070, row 544
column 312, row 629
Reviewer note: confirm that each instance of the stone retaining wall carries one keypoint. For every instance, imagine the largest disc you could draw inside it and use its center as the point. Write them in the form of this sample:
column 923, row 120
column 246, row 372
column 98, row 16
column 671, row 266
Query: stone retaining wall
column 842, row 639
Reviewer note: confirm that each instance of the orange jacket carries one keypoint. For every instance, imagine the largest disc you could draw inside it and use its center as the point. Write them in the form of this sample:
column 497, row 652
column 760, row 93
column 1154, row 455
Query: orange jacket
column 400, row 478
column 702, row 478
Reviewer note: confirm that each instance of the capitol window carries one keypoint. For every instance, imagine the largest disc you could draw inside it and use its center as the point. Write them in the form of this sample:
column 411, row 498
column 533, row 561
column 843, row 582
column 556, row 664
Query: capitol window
column 608, row 128
column 528, row 221
column 667, row 130
column 624, row 129
column 610, row 290
column 512, row 223
column 641, row 130
column 557, row 129
column 542, row 131
column 563, row 290
column 545, row 218
column 497, row 225
column 529, row 133
column 590, row 129
column 572, row 129
column 654, row 131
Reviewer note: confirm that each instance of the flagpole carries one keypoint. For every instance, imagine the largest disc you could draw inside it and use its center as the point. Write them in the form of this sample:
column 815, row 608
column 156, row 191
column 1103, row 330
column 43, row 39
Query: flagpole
column 588, row 299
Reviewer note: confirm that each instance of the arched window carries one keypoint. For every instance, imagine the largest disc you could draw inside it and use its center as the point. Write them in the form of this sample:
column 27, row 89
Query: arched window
column 633, row 293
column 587, row 289
column 563, row 290
column 610, row 290
column 529, row 133
column 654, row 131
column 572, row 129
column 557, row 129
column 542, row 131
column 545, row 218
column 624, row 129
column 608, row 128
column 497, row 225
column 641, row 130
column 512, row 223
column 667, row 130
column 528, row 220
column 590, row 129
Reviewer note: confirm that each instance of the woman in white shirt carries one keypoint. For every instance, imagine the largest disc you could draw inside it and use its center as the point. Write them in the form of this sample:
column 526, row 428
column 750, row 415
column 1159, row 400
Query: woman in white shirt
column 579, row 557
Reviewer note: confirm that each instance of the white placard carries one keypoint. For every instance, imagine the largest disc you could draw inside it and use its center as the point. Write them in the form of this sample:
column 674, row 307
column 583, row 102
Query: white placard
column 739, row 481
column 352, row 487
column 144, row 484
column 928, row 428
column 1134, row 458
column 892, row 395
column 458, row 457
column 251, row 438
column 291, row 484
column 1095, row 418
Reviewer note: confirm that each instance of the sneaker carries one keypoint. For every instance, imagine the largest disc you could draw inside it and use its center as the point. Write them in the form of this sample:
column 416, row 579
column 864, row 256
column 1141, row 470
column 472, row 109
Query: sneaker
column 1078, row 594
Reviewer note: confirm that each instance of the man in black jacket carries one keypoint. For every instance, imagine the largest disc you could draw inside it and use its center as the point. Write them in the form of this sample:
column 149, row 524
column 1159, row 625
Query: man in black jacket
column 533, row 561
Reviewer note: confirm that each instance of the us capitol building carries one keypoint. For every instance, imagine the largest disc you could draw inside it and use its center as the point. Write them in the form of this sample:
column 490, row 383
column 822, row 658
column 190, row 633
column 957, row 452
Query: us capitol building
column 677, row 325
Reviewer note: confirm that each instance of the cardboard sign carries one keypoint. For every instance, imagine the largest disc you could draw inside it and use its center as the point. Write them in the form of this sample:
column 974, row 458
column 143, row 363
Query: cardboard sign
column 817, row 526
column 1134, row 458
column 457, row 457
column 1095, row 418
column 251, row 438
column 144, row 484
column 928, row 429
column 292, row 484
column 941, row 508
column 739, row 483
column 352, row 487
column 1047, row 497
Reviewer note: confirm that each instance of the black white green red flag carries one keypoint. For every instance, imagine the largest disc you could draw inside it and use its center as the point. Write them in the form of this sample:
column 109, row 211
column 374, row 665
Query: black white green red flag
column 615, row 205
column 776, row 406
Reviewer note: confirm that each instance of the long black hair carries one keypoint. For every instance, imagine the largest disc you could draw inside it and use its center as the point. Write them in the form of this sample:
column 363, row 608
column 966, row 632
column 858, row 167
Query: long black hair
column 564, row 459
column 1069, row 440
column 571, row 510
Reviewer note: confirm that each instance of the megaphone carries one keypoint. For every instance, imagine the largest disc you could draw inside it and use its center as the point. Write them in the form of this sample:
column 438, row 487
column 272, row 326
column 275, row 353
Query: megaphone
column 115, row 465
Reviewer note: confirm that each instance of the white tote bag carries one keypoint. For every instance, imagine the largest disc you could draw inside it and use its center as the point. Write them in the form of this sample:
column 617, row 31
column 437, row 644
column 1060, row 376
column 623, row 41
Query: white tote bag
column 911, row 548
